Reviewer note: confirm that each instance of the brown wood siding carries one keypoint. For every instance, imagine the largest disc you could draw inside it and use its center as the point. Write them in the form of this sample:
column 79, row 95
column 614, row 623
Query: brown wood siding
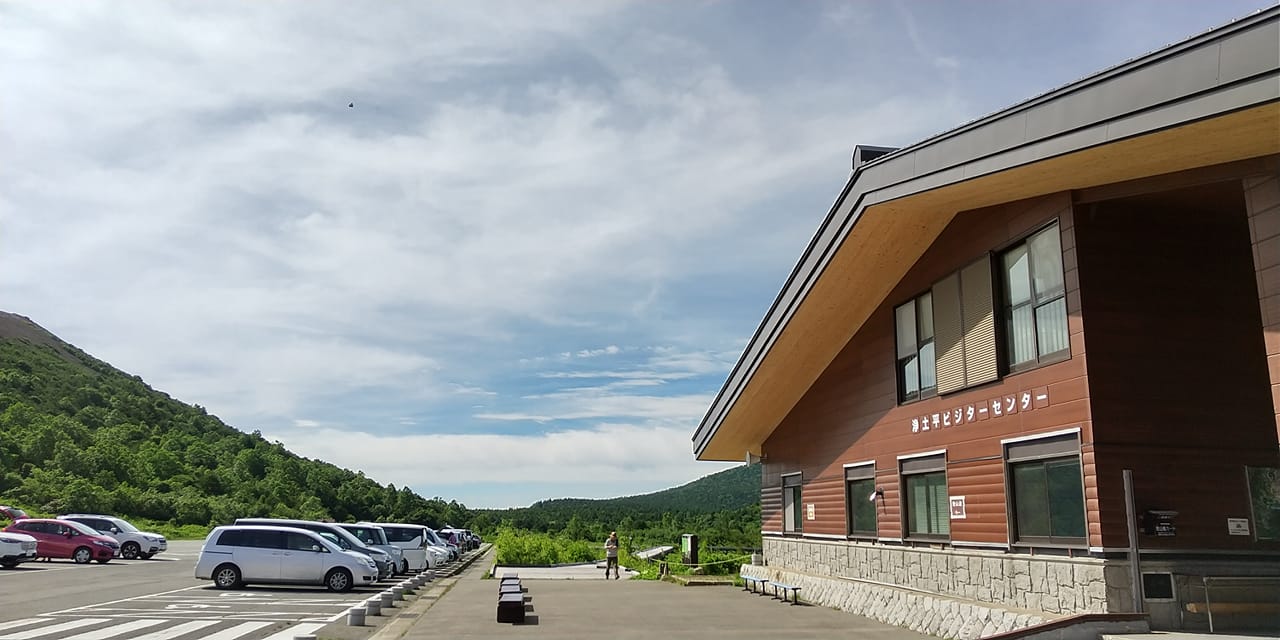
column 1178, row 382
column 771, row 507
column 981, row 482
column 851, row 414
column 826, row 494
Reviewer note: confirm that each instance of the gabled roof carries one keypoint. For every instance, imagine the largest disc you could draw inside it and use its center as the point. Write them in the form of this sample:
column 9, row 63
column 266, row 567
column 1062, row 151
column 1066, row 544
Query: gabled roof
column 1211, row 99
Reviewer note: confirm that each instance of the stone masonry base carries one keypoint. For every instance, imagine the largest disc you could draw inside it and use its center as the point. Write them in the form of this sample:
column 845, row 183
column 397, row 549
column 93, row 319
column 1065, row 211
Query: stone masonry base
column 929, row 614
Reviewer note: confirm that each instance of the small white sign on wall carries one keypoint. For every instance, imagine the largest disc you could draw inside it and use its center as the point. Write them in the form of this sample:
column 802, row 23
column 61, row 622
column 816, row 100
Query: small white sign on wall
column 1238, row 526
column 957, row 508
column 809, row 511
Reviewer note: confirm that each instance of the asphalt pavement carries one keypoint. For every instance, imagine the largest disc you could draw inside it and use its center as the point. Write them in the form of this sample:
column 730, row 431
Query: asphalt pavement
column 570, row 608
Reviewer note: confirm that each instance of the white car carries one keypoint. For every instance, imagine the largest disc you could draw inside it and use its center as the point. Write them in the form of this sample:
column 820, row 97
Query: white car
column 413, row 543
column 15, row 548
column 134, row 544
column 236, row 555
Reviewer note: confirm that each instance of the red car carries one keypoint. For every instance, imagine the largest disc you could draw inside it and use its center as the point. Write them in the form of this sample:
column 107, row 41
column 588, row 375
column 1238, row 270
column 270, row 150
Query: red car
column 66, row 539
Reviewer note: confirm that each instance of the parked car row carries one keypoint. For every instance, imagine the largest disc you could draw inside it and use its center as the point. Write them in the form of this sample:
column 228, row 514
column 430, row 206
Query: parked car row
column 338, row 556
column 81, row 537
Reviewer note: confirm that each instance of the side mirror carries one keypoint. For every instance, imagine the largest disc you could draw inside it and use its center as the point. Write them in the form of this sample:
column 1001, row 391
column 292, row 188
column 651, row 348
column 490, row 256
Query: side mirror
column 317, row 548
column 70, row 534
column 114, row 530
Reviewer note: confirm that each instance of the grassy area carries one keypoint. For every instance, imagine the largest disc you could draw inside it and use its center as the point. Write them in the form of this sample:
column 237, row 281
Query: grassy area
column 519, row 547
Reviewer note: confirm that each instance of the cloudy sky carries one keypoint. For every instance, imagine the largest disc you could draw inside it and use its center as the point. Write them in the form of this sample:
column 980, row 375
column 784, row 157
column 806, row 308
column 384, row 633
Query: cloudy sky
column 494, row 251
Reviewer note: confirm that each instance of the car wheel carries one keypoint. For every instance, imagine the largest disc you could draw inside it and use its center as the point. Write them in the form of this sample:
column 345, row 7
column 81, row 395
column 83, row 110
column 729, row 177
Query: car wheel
column 338, row 580
column 130, row 551
column 8, row 565
column 146, row 556
column 103, row 560
column 404, row 566
column 82, row 555
column 226, row 576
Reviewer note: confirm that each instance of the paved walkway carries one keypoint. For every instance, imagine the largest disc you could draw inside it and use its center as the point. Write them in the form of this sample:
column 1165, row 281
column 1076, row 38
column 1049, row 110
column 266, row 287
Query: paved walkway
column 622, row 610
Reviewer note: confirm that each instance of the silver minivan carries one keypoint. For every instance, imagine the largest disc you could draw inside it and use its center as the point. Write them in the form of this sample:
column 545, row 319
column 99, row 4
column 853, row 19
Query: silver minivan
column 236, row 555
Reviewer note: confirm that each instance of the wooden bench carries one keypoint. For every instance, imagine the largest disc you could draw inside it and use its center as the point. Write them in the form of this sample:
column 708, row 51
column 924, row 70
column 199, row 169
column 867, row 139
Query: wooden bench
column 749, row 583
column 1240, row 608
column 511, row 607
column 784, row 589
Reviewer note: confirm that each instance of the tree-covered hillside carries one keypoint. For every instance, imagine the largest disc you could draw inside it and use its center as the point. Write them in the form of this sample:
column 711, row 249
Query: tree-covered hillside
column 78, row 435
column 723, row 508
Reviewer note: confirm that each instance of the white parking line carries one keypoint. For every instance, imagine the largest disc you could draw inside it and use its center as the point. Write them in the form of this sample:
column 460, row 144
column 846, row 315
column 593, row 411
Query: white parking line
column 114, row 630
column 295, row 631
column 236, row 631
column 55, row 629
column 184, row 628
column 20, row 623
column 103, row 604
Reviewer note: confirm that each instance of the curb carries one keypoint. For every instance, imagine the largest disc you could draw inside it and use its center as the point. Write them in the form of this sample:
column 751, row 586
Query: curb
column 406, row 617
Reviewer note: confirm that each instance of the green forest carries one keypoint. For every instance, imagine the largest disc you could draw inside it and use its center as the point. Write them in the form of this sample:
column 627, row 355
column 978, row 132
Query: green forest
column 78, row 435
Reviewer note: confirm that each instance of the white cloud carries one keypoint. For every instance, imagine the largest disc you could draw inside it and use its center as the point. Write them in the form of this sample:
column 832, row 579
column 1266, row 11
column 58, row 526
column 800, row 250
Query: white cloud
column 649, row 458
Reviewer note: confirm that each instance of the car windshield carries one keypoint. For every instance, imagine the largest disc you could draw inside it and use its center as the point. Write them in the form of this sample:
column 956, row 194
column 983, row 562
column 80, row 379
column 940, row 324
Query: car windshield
column 364, row 534
column 17, row 513
column 82, row 528
column 333, row 537
column 124, row 526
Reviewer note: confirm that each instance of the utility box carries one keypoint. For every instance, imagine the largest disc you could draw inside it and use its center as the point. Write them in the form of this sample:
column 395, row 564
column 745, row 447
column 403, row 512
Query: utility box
column 689, row 548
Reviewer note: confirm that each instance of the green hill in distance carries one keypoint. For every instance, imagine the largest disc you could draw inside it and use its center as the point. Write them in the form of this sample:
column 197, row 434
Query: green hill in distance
column 723, row 508
column 77, row 434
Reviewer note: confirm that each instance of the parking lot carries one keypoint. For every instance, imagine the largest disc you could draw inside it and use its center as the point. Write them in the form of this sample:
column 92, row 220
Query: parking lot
column 159, row 599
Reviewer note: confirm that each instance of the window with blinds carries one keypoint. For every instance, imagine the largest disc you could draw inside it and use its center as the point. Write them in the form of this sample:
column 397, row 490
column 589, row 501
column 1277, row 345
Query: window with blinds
column 965, row 329
column 926, row 509
column 1034, row 303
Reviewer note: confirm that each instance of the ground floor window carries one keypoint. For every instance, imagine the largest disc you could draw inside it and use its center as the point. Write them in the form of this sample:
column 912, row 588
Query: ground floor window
column 927, row 511
column 859, row 487
column 792, row 519
column 1047, row 489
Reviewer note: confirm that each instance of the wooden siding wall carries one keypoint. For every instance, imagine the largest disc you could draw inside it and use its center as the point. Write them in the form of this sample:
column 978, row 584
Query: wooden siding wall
column 1178, row 380
column 1262, row 199
column 851, row 413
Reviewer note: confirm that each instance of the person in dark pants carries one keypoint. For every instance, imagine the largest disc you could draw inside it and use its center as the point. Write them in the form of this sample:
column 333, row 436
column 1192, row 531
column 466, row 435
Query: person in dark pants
column 611, row 555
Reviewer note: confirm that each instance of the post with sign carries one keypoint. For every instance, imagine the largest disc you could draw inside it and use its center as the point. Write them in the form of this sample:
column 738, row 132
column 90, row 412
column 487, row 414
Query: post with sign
column 689, row 548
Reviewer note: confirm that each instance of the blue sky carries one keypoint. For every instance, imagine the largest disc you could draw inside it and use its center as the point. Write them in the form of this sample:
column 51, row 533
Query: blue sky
column 522, row 265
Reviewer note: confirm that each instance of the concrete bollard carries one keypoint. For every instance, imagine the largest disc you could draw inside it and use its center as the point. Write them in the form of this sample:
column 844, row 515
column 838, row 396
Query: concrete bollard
column 355, row 617
column 397, row 593
column 305, row 636
column 387, row 600
column 409, row 586
column 373, row 606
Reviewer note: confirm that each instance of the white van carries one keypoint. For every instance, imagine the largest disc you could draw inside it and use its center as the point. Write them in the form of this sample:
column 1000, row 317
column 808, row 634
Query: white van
column 373, row 536
column 236, row 555
column 411, row 538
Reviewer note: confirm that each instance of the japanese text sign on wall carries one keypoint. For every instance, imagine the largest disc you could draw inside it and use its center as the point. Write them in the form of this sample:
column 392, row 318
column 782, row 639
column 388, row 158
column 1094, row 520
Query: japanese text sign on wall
column 809, row 515
column 1005, row 405
column 957, row 508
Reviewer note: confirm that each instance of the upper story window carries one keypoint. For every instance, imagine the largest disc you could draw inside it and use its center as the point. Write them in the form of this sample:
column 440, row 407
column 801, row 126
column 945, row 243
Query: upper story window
column 1034, row 304
column 946, row 339
column 917, row 372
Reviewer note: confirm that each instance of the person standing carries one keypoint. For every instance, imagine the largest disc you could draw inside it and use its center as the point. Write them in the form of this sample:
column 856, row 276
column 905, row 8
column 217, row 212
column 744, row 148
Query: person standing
column 611, row 555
